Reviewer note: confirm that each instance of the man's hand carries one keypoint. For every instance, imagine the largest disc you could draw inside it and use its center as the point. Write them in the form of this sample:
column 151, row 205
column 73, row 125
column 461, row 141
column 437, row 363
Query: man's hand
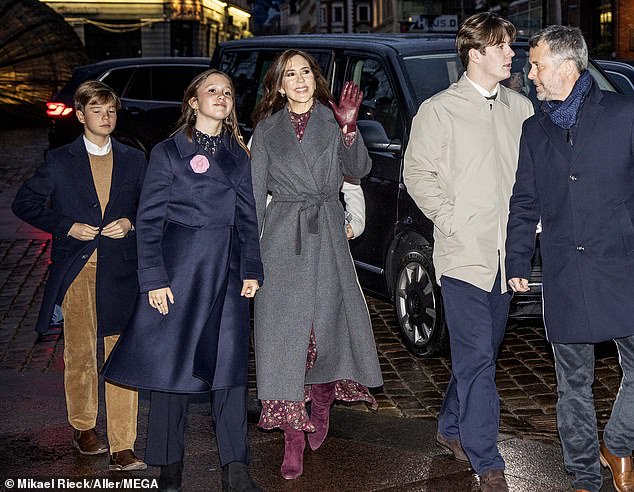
column 249, row 288
column 519, row 284
column 349, row 232
column 117, row 229
column 83, row 232
column 158, row 299
column 347, row 111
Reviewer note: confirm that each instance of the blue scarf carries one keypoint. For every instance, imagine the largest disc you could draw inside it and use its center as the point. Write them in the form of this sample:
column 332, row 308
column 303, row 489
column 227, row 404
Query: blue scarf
column 564, row 113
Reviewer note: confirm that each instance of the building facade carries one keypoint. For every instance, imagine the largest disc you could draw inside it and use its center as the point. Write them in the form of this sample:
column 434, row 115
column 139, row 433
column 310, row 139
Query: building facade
column 115, row 29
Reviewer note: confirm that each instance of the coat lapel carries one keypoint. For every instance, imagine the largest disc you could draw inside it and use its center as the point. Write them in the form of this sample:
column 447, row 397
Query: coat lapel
column 118, row 172
column 555, row 136
column 315, row 141
column 222, row 166
column 283, row 134
column 591, row 112
column 81, row 172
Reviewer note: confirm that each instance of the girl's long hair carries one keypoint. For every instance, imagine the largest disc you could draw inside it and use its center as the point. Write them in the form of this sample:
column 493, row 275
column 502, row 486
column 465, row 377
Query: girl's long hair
column 272, row 101
column 187, row 121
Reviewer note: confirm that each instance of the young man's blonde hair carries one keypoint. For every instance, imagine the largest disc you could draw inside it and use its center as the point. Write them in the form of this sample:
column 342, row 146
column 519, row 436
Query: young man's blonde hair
column 482, row 30
column 97, row 92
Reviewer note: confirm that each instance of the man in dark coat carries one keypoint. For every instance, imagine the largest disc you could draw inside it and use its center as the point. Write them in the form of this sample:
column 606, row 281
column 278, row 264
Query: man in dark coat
column 86, row 195
column 576, row 173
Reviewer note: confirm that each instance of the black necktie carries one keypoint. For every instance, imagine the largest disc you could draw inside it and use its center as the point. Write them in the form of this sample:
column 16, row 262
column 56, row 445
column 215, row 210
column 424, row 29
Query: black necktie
column 491, row 99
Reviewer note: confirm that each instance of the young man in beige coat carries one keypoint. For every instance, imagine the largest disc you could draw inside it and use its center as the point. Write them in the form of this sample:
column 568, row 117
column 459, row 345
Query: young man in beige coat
column 459, row 168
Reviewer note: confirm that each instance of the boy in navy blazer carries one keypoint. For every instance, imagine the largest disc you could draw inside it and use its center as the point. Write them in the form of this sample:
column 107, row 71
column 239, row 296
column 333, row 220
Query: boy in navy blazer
column 85, row 195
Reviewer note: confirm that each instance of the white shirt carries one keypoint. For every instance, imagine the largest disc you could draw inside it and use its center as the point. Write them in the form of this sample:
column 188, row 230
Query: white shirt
column 94, row 149
column 482, row 90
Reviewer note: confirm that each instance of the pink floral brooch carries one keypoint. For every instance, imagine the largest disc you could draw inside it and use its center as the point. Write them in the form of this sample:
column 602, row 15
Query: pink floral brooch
column 199, row 164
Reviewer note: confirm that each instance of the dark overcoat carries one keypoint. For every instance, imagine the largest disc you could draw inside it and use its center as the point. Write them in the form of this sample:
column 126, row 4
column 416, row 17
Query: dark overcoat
column 197, row 234
column 62, row 192
column 310, row 276
column 584, row 194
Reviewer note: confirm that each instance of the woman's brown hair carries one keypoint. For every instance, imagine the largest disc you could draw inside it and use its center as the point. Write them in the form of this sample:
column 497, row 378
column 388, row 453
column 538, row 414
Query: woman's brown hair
column 187, row 121
column 272, row 101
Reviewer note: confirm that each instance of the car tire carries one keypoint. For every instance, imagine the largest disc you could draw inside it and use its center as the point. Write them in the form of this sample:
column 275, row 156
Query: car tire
column 418, row 305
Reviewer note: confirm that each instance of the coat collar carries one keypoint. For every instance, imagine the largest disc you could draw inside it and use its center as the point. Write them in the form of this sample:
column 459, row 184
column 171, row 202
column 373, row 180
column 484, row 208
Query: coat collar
column 315, row 142
column 466, row 89
column 224, row 159
column 589, row 114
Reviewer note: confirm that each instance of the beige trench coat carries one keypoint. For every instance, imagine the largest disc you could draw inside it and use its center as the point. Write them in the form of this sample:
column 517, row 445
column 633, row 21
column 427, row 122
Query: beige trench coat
column 460, row 168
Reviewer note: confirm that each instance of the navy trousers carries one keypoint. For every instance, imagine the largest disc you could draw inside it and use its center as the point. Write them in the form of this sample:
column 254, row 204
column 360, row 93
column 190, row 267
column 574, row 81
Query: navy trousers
column 168, row 415
column 470, row 411
column 576, row 415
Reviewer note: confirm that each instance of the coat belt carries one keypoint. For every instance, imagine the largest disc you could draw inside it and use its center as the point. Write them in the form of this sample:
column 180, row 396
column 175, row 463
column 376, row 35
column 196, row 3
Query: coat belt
column 311, row 204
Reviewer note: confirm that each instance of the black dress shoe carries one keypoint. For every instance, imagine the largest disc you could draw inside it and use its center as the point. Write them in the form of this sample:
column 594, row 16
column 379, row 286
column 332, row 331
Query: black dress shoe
column 171, row 477
column 236, row 478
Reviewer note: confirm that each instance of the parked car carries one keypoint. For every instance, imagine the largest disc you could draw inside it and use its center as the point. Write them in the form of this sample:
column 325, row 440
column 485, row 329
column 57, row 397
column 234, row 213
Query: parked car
column 621, row 73
column 151, row 92
column 396, row 73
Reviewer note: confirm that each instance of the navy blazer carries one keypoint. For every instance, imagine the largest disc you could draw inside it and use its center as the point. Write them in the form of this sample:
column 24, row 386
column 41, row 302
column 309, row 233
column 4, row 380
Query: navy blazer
column 62, row 192
column 584, row 195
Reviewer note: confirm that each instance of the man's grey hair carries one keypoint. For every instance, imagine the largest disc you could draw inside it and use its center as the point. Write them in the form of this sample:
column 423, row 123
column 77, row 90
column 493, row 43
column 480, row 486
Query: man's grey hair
column 564, row 43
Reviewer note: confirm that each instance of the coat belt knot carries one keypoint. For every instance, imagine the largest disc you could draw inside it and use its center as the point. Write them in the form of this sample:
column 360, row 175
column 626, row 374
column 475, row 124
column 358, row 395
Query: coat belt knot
column 311, row 204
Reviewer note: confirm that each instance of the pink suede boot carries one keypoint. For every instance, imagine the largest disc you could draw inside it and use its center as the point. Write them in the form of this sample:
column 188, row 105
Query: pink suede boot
column 294, row 444
column 322, row 397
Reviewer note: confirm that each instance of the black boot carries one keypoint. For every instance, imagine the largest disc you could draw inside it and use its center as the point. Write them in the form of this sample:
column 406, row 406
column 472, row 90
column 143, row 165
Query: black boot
column 236, row 478
column 170, row 477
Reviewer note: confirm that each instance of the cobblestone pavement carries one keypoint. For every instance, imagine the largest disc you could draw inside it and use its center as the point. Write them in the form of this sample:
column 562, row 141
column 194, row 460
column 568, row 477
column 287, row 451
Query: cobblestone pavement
column 413, row 386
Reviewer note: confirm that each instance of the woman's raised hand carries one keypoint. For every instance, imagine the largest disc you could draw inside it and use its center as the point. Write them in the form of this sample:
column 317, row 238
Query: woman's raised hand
column 347, row 111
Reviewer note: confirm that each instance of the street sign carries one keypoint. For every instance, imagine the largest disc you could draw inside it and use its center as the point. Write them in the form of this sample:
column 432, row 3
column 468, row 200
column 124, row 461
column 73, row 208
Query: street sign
column 431, row 23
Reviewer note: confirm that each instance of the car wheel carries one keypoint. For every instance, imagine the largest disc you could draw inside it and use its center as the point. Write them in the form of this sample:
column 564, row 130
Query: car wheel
column 419, row 306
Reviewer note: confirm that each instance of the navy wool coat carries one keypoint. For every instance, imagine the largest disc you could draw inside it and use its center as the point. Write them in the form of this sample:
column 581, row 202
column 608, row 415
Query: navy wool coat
column 584, row 194
column 197, row 233
column 62, row 192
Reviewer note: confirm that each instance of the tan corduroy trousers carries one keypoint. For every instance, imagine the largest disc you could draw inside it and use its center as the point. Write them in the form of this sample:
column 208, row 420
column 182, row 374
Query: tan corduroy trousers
column 80, row 374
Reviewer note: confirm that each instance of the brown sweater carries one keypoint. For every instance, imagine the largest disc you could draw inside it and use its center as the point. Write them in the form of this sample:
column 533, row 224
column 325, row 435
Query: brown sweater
column 101, row 167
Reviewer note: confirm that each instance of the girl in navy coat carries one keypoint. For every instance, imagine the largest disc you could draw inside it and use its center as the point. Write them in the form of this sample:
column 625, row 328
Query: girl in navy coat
column 199, row 261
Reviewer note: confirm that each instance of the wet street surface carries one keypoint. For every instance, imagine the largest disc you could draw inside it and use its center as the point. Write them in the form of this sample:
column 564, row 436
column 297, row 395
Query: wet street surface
column 391, row 449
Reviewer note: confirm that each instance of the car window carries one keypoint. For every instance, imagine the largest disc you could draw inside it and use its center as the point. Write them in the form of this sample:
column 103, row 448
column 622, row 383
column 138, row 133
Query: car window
column 118, row 78
column 247, row 70
column 169, row 82
column 432, row 73
column 379, row 101
column 621, row 81
column 429, row 74
column 140, row 87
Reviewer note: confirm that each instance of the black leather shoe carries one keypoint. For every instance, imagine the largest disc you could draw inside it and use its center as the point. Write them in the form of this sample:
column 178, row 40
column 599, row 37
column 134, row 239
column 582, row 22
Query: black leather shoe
column 236, row 478
column 171, row 477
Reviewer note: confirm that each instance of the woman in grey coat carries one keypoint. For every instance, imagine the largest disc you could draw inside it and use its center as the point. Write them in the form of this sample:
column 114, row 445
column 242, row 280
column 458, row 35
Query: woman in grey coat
column 313, row 335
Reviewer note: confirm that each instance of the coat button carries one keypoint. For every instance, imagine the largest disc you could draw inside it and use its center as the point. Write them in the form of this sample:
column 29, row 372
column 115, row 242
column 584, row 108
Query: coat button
column 84, row 257
column 95, row 204
column 573, row 177
column 580, row 248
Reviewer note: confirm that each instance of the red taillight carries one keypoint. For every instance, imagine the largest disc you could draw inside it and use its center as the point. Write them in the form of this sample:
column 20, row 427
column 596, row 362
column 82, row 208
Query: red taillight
column 57, row 109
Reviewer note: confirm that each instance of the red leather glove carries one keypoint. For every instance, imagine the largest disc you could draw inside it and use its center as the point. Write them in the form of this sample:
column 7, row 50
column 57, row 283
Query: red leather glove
column 347, row 111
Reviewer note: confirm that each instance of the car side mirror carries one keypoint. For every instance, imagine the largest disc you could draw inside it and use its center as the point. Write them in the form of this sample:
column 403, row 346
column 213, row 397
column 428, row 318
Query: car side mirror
column 375, row 137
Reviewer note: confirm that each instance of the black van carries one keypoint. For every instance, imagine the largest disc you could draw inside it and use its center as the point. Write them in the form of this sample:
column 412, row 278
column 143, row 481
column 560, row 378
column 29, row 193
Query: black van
column 396, row 73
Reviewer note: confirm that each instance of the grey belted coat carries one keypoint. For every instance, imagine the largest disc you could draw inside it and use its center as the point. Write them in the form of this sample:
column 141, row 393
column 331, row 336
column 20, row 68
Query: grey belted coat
column 310, row 276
